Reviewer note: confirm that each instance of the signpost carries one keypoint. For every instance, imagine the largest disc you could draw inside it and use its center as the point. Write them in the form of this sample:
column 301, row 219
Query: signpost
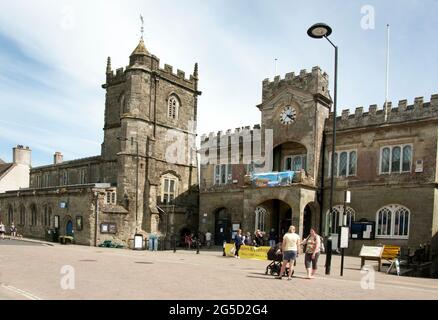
column 345, row 230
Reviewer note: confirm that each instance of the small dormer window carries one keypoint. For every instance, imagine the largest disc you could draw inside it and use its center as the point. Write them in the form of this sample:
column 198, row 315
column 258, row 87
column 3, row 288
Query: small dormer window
column 172, row 107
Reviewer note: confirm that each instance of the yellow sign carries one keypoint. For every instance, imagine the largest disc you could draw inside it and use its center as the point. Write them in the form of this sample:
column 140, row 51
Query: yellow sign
column 248, row 252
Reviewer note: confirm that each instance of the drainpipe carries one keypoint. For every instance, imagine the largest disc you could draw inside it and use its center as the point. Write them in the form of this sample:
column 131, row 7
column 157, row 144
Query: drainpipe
column 96, row 213
column 321, row 207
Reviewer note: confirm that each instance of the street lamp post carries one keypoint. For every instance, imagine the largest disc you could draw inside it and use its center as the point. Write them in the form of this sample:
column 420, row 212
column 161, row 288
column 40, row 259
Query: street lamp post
column 136, row 179
column 318, row 31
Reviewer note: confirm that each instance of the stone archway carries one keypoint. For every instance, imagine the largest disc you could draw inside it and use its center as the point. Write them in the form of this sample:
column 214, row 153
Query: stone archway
column 278, row 219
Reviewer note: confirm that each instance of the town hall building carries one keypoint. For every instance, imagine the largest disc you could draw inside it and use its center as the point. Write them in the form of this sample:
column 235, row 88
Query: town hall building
column 387, row 159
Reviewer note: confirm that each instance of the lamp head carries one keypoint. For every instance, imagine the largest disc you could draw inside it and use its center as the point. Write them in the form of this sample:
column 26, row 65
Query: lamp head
column 319, row 30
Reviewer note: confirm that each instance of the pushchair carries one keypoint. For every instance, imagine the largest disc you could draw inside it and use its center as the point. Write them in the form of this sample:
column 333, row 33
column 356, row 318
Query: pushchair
column 276, row 258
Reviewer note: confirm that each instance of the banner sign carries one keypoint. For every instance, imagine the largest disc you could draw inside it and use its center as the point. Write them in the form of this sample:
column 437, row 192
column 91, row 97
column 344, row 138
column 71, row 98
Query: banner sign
column 248, row 252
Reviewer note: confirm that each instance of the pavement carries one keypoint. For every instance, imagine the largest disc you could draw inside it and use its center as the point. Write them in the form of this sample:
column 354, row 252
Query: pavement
column 36, row 270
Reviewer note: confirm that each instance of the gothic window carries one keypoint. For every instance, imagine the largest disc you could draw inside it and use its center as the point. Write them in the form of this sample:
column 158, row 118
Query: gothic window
column 33, row 215
column 47, row 215
column 172, row 107
column 393, row 222
column 22, row 215
column 345, row 163
column 10, row 215
column 352, row 164
column 407, row 158
column 260, row 219
column 123, row 104
column 396, row 159
column 169, row 188
column 333, row 218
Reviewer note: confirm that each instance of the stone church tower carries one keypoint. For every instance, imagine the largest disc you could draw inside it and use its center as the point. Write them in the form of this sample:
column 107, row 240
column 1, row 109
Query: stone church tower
column 149, row 147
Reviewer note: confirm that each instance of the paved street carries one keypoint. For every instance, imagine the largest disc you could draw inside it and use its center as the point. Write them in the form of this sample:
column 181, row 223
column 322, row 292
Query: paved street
column 33, row 271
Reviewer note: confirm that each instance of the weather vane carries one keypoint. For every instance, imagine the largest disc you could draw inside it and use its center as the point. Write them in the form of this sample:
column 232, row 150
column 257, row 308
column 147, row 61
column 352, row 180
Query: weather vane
column 142, row 26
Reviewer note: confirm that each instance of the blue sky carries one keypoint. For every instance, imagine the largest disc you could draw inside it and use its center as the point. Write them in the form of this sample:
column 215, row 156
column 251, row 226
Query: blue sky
column 53, row 58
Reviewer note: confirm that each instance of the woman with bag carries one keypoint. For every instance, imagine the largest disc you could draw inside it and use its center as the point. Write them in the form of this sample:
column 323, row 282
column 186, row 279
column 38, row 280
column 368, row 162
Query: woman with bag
column 312, row 249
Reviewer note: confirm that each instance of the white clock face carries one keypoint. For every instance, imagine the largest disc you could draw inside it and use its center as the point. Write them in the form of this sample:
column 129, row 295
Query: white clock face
column 288, row 115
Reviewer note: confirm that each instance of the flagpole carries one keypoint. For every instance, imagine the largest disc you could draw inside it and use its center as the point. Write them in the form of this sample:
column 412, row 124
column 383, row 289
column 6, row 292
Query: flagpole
column 387, row 71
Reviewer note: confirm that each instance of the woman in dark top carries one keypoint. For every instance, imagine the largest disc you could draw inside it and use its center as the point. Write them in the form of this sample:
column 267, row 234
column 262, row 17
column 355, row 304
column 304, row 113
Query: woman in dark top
column 238, row 241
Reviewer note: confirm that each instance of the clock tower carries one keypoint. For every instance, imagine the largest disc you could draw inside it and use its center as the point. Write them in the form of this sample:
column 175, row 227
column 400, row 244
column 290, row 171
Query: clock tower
column 296, row 109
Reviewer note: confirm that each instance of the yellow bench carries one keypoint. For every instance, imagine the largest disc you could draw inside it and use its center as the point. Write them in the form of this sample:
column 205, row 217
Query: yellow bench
column 65, row 239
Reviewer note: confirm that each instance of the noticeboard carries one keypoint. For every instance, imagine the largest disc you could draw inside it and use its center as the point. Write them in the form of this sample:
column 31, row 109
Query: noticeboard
column 363, row 230
column 372, row 252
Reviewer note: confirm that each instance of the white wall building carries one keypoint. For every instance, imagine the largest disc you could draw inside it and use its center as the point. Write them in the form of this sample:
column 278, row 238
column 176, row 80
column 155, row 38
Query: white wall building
column 15, row 175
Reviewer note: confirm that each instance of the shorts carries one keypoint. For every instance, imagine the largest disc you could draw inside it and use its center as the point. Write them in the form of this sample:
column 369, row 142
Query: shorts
column 289, row 256
column 311, row 263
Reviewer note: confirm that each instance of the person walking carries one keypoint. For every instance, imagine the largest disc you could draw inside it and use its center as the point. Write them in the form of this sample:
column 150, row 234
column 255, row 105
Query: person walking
column 272, row 238
column 208, row 238
column 290, row 245
column 312, row 251
column 238, row 241
column 13, row 231
column 2, row 230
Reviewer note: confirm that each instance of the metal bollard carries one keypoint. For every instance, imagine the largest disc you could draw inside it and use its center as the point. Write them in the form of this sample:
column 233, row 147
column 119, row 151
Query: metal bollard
column 174, row 245
column 328, row 257
column 197, row 246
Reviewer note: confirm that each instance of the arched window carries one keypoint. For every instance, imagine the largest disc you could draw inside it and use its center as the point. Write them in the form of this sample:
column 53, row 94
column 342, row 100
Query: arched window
column 393, row 222
column 22, row 215
column 123, row 104
column 172, row 107
column 33, row 215
column 333, row 222
column 10, row 215
column 47, row 215
column 260, row 219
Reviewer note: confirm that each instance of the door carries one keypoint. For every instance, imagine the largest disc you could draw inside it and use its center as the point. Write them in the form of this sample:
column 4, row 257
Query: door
column 307, row 223
column 69, row 229
column 222, row 230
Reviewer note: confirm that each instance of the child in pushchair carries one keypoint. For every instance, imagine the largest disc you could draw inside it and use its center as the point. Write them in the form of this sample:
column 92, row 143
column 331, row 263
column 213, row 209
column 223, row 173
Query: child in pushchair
column 276, row 257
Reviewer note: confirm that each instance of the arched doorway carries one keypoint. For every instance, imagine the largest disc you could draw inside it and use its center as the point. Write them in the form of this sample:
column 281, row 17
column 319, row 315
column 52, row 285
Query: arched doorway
column 69, row 228
column 222, row 227
column 307, row 221
column 273, row 215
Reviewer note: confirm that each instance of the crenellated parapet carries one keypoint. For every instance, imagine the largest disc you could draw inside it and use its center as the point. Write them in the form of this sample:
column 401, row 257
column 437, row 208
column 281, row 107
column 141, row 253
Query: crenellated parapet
column 152, row 65
column 113, row 78
column 167, row 72
column 240, row 145
column 374, row 116
column 315, row 82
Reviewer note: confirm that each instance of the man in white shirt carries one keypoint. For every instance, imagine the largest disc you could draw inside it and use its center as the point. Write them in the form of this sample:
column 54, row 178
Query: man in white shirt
column 208, row 239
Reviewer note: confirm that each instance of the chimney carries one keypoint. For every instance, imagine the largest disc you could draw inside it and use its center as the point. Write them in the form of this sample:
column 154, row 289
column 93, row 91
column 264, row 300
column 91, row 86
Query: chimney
column 58, row 158
column 22, row 155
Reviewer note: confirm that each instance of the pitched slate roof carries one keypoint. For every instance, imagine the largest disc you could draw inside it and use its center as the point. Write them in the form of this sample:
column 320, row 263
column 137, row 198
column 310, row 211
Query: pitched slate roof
column 4, row 167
